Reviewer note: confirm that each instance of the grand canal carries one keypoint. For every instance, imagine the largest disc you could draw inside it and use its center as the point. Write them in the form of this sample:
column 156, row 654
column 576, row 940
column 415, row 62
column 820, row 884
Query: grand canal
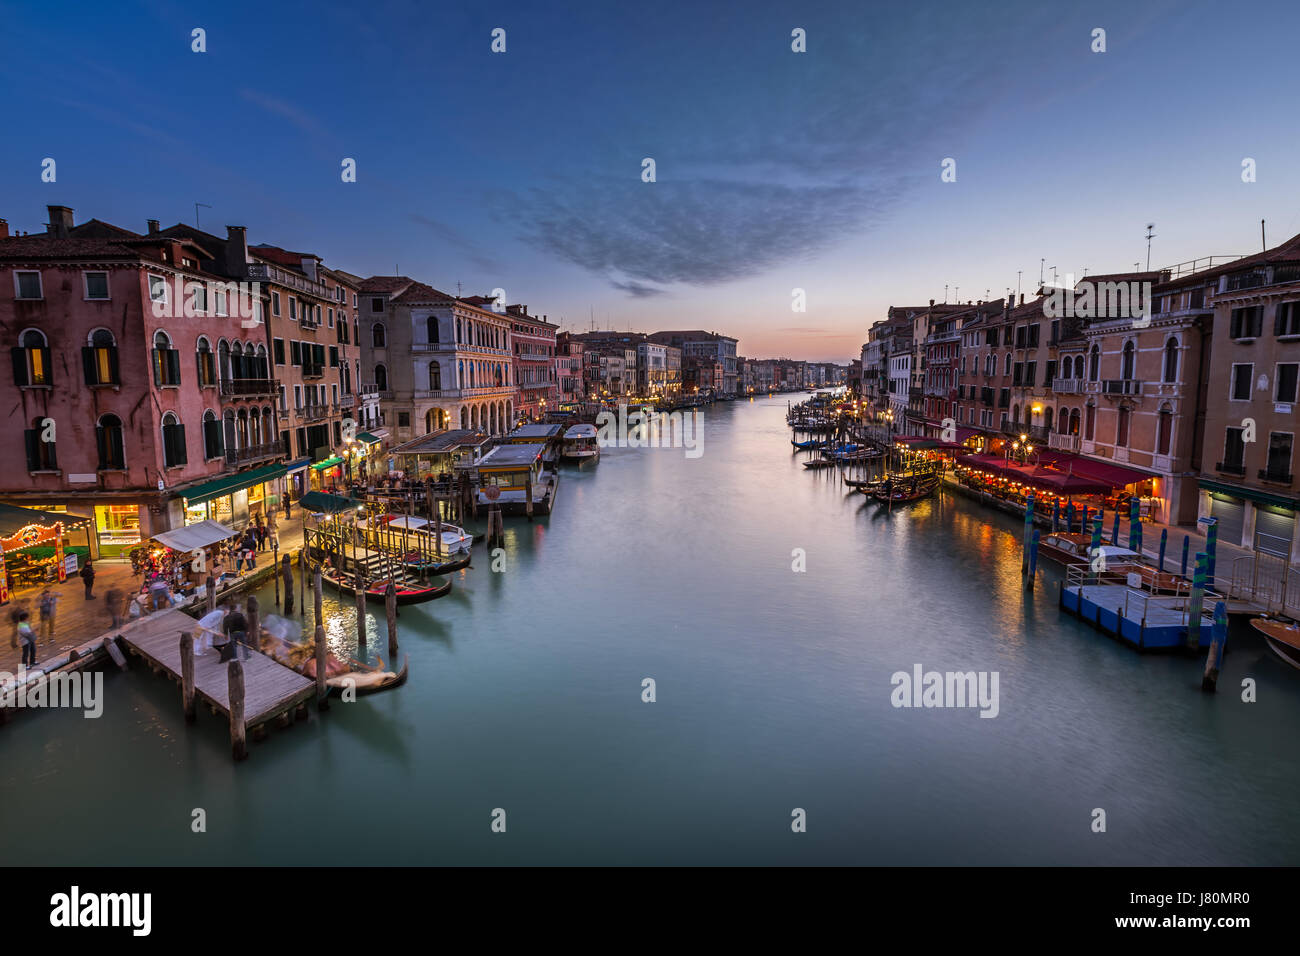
column 773, row 692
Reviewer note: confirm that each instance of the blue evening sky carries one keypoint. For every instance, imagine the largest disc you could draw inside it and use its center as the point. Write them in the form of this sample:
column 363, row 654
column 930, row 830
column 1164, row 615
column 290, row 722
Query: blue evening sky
column 775, row 170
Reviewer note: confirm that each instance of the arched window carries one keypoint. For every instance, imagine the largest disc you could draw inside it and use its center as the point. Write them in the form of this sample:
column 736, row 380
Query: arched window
column 166, row 361
column 1094, row 364
column 1006, row 369
column 231, row 439
column 1047, row 418
column 431, row 325
column 1165, row 429
column 212, row 444
column 173, row 436
column 435, row 377
column 1090, row 421
column 381, row 378
column 1129, row 362
column 32, row 359
column 464, row 417
column 1121, row 426
column 99, row 359
column 1171, row 361
column 206, row 362
column 1073, row 427
column 269, row 437
column 1067, row 367
column 109, row 443
column 377, row 339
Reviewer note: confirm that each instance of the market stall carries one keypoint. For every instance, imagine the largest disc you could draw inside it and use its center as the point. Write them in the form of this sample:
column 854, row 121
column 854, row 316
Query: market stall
column 184, row 557
column 32, row 547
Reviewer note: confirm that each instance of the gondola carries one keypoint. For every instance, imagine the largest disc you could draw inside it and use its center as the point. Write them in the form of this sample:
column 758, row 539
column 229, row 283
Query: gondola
column 368, row 682
column 406, row 593
column 423, row 563
column 822, row 462
column 864, row 485
column 904, row 493
column 806, row 445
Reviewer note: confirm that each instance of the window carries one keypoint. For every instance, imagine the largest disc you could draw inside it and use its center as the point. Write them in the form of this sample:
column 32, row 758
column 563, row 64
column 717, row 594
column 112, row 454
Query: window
column 1164, row 430
column 381, row 378
column 435, row 377
column 173, row 435
column 354, row 300
column 293, row 309
column 1287, row 320
column 1094, row 365
column 404, row 419
column 27, row 285
column 96, row 284
column 277, row 346
column 295, row 353
column 1121, row 427
column 1286, row 383
column 207, row 363
column 1247, row 323
column 166, row 361
column 1090, row 422
column 297, row 396
column 377, row 336
column 219, row 302
column 275, row 303
column 376, row 305
column 1171, row 361
column 1234, row 450
column 1128, row 362
column 31, row 359
column 40, row 453
column 431, row 325
column 198, row 296
column 1279, row 457
column 212, row 441
column 1007, row 369
column 109, row 443
column 331, row 318
column 157, row 289
column 1241, row 376
column 99, row 359
column 334, row 356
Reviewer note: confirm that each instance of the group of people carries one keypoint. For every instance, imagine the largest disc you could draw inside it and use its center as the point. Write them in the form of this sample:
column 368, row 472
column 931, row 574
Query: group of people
column 226, row 631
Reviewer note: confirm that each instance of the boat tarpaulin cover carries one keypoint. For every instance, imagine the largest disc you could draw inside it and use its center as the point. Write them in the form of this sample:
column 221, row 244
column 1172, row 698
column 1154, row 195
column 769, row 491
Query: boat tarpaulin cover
column 194, row 536
column 330, row 504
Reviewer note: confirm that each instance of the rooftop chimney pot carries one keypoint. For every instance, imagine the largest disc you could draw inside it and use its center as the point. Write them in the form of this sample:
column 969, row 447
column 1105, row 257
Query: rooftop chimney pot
column 60, row 221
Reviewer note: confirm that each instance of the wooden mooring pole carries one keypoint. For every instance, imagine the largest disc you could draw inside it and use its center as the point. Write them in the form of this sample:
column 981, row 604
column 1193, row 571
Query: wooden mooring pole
column 361, row 615
column 210, row 597
column 322, row 691
column 235, row 685
column 318, row 597
column 286, row 572
column 254, row 633
column 1213, row 660
column 187, row 675
column 390, row 611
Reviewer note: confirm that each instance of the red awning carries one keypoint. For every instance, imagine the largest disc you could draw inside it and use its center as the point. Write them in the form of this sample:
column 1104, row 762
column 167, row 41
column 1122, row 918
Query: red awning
column 965, row 433
column 1115, row 476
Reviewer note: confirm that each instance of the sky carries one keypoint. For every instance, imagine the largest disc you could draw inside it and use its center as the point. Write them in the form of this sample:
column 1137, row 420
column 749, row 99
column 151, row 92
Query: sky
column 775, row 170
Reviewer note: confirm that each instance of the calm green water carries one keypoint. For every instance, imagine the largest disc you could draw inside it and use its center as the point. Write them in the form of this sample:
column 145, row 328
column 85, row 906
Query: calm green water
column 773, row 693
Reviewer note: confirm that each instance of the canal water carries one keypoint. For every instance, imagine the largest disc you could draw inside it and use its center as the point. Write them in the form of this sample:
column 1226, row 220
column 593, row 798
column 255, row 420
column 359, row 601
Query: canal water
column 773, row 692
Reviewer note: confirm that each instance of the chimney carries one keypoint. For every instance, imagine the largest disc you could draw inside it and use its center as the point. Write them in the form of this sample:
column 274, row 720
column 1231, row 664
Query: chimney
column 1022, row 298
column 60, row 221
column 154, row 227
column 4, row 228
column 309, row 267
column 236, row 251
column 932, row 303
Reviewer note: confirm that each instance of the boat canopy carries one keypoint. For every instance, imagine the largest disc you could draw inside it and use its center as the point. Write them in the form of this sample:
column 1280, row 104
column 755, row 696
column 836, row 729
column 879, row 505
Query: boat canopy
column 581, row 431
column 319, row 501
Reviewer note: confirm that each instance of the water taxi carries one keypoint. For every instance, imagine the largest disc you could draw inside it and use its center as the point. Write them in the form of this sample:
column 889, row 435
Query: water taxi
column 1282, row 637
column 580, row 444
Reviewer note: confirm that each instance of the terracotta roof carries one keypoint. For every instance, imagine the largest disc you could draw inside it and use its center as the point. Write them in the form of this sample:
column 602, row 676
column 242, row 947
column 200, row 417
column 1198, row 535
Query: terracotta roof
column 385, row 284
column 282, row 256
column 419, row 292
column 47, row 247
column 98, row 229
column 1288, row 251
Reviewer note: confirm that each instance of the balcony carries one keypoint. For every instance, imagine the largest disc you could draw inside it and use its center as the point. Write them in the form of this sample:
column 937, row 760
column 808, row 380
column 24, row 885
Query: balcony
column 251, row 453
column 1067, row 386
column 266, row 272
column 248, row 387
column 1231, row 468
column 313, row 371
column 315, row 413
column 1063, row 442
column 1121, row 386
column 369, row 390
column 1276, row 477
column 347, row 401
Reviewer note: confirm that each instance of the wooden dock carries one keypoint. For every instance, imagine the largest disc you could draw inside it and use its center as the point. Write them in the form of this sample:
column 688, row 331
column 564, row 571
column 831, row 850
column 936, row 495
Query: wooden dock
column 271, row 690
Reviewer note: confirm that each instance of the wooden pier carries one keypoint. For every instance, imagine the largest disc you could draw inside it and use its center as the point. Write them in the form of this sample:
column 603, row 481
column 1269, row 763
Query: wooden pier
column 271, row 690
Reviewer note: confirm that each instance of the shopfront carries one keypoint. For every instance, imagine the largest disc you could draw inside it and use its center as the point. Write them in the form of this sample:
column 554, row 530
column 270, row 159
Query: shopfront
column 327, row 474
column 235, row 500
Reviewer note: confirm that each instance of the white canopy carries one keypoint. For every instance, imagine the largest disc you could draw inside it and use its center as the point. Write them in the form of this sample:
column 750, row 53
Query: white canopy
column 194, row 536
column 409, row 522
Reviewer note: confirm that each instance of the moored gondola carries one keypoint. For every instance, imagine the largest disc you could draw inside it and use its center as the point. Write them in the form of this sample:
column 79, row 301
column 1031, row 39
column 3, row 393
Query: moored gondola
column 408, row 592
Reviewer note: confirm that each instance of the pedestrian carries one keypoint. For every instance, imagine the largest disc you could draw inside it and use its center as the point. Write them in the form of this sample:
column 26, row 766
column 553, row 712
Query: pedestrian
column 261, row 534
column 114, row 598
column 47, row 604
column 88, row 578
column 15, row 617
column 250, row 548
column 27, row 637
column 235, row 627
